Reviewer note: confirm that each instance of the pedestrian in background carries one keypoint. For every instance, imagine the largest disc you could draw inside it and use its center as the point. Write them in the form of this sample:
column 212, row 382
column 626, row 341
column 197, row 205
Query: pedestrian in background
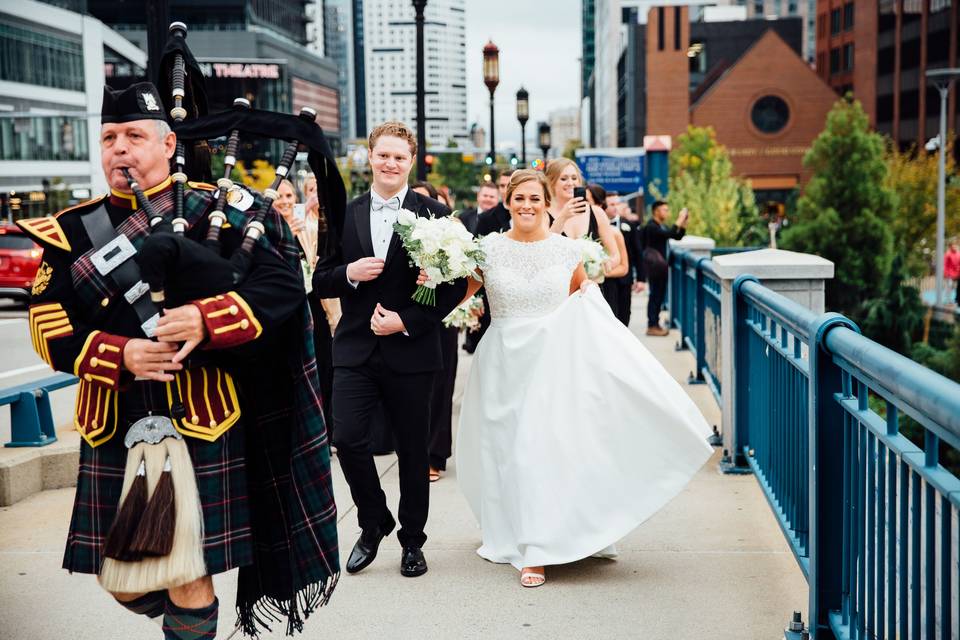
column 951, row 270
column 656, row 233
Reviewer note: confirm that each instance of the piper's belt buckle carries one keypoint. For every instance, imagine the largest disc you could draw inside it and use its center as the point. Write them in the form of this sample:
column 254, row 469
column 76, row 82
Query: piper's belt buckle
column 151, row 430
column 136, row 292
column 149, row 326
column 113, row 254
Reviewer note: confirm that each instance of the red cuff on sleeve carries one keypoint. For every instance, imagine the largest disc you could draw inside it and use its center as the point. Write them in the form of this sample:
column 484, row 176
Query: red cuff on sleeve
column 101, row 359
column 229, row 321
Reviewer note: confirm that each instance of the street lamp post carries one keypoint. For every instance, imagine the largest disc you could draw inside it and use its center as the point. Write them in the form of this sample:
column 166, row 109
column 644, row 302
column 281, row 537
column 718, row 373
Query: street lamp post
column 419, row 6
column 523, row 114
column 544, row 139
column 491, row 78
column 943, row 79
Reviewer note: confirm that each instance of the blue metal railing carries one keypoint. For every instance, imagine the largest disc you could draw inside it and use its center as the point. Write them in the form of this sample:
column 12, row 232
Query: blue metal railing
column 31, row 418
column 868, row 513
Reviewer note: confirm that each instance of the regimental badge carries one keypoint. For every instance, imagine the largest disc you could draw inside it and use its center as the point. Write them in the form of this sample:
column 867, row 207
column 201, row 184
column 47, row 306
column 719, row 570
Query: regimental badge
column 150, row 102
column 40, row 283
column 239, row 198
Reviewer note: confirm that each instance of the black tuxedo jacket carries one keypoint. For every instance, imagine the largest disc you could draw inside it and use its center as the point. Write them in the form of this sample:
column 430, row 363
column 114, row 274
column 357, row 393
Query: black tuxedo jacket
column 469, row 218
column 495, row 220
column 419, row 350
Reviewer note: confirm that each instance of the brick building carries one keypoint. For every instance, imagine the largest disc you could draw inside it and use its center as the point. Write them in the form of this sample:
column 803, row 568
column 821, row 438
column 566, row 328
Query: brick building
column 744, row 78
column 881, row 51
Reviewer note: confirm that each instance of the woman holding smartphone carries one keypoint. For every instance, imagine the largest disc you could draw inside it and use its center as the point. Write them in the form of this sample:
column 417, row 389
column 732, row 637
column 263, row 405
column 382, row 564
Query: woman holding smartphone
column 571, row 214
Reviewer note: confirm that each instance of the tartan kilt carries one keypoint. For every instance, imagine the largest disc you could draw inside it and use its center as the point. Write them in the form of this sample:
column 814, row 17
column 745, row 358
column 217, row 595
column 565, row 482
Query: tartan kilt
column 220, row 469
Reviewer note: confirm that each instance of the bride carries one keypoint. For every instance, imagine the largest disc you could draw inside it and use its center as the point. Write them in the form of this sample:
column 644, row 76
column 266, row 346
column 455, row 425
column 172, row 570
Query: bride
column 571, row 433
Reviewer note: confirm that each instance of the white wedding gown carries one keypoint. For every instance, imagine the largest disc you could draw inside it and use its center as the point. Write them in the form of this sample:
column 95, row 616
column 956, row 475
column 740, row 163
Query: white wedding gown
column 571, row 433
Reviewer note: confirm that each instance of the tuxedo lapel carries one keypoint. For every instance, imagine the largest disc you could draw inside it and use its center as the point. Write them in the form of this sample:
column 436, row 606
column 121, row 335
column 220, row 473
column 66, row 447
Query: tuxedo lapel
column 361, row 217
column 412, row 203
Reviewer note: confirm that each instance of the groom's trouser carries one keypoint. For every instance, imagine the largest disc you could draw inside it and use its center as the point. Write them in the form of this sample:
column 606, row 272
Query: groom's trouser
column 406, row 400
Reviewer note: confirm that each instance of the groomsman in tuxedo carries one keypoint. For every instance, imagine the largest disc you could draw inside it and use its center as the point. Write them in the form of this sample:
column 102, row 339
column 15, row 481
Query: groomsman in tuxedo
column 386, row 348
column 486, row 199
column 618, row 212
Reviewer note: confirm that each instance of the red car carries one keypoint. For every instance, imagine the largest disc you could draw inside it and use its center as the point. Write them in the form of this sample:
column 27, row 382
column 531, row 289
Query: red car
column 19, row 260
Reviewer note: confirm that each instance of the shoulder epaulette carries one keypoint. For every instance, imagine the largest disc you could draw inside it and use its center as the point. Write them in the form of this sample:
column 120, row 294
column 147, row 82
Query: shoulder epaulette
column 203, row 186
column 85, row 203
column 47, row 230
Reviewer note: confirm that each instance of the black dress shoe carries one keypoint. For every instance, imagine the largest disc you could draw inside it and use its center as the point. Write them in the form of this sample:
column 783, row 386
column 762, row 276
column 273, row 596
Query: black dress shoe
column 413, row 563
column 365, row 550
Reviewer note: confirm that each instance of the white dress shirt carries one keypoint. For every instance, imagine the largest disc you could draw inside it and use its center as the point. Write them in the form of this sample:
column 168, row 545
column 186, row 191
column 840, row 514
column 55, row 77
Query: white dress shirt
column 383, row 215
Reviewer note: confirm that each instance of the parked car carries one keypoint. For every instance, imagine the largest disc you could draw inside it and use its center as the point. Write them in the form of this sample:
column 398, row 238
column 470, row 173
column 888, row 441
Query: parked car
column 19, row 260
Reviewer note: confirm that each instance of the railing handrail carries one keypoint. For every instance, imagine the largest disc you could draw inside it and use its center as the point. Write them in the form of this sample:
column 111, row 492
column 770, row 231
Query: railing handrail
column 793, row 315
column 926, row 395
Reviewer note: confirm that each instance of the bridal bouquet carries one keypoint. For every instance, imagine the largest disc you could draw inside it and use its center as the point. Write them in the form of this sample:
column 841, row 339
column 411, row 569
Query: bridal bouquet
column 466, row 316
column 594, row 256
column 442, row 247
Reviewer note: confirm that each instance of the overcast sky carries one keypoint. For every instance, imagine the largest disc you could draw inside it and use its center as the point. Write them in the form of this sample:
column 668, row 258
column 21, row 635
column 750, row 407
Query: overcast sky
column 539, row 49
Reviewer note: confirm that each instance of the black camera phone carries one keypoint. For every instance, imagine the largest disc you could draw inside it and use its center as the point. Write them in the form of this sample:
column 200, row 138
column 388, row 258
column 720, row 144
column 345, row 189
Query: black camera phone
column 580, row 192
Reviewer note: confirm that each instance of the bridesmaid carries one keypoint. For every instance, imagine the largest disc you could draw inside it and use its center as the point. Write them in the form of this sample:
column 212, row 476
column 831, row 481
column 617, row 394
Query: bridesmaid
column 441, row 411
column 575, row 217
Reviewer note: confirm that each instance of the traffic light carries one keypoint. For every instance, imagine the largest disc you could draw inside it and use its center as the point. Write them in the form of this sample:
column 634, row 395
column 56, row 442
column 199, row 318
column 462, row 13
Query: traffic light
column 488, row 160
column 428, row 161
column 513, row 160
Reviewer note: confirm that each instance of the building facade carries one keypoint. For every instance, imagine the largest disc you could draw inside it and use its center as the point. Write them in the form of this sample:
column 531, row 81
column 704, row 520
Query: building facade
column 338, row 46
column 564, row 128
column 255, row 49
column 806, row 10
column 390, row 66
column 52, row 63
column 880, row 51
column 745, row 78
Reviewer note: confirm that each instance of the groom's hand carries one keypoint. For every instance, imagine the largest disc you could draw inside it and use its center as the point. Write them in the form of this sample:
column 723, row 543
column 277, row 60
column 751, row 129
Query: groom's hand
column 364, row 269
column 385, row 322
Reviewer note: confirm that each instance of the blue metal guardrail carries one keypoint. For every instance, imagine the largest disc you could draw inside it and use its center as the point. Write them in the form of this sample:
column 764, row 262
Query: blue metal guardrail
column 31, row 419
column 868, row 513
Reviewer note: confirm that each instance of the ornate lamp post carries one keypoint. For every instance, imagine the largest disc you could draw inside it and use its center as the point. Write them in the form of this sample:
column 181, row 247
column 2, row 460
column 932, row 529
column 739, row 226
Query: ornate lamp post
column 419, row 6
column 544, row 139
column 491, row 78
column 523, row 114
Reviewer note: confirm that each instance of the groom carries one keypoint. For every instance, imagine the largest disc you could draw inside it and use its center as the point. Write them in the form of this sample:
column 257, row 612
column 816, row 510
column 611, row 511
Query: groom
column 386, row 348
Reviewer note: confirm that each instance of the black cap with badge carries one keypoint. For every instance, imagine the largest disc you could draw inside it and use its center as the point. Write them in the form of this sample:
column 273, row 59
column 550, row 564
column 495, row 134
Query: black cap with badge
column 139, row 101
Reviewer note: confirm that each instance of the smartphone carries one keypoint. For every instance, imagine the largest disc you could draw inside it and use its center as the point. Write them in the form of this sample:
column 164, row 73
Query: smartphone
column 300, row 212
column 580, row 192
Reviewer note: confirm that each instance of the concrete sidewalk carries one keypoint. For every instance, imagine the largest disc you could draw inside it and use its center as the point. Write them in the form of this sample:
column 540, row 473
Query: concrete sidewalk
column 712, row 564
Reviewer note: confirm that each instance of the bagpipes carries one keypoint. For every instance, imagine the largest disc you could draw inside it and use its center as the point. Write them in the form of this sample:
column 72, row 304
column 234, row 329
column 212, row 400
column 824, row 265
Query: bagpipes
column 156, row 539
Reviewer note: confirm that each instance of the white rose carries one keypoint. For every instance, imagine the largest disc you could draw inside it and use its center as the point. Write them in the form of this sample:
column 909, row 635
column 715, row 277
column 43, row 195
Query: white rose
column 406, row 217
column 434, row 277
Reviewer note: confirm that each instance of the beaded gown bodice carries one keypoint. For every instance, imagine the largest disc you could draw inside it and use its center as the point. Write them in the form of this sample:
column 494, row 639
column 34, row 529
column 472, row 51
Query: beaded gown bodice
column 527, row 279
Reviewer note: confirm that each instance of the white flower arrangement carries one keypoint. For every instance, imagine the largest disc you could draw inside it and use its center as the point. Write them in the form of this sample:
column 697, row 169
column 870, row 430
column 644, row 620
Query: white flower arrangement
column 466, row 315
column 442, row 247
column 593, row 256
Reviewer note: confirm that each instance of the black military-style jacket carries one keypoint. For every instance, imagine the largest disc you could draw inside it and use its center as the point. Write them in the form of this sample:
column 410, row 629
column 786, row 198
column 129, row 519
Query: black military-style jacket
column 80, row 320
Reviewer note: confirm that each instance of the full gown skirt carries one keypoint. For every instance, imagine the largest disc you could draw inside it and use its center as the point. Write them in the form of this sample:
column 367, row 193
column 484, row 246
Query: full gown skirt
column 571, row 433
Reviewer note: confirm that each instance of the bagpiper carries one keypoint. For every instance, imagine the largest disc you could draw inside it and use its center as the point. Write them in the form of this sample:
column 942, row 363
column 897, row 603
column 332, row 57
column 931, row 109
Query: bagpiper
column 203, row 444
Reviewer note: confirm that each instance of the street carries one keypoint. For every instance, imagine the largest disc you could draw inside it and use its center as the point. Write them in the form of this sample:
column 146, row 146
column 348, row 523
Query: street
column 20, row 364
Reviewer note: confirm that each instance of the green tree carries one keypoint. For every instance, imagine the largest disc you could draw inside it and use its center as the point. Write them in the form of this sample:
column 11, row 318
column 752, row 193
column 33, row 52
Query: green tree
column 449, row 168
column 912, row 176
column 844, row 213
column 570, row 149
column 722, row 206
column 895, row 317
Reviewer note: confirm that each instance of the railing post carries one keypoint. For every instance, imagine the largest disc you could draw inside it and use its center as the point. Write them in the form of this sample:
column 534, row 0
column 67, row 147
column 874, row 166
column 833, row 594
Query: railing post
column 826, row 456
column 675, row 288
column 798, row 276
column 700, row 337
column 735, row 434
